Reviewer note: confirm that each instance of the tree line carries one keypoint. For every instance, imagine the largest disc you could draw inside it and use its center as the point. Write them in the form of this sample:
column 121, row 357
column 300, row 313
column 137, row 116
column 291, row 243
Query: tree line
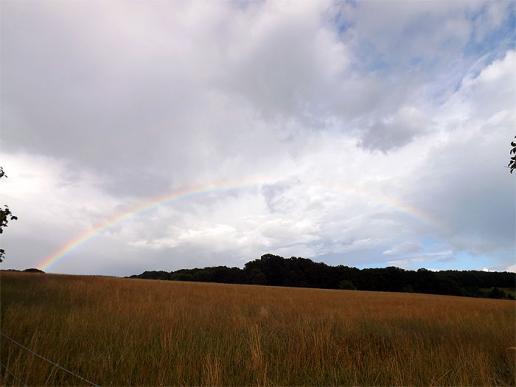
column 301, row 272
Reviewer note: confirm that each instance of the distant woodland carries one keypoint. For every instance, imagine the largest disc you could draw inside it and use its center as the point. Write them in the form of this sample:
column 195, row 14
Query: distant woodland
column 274, row 270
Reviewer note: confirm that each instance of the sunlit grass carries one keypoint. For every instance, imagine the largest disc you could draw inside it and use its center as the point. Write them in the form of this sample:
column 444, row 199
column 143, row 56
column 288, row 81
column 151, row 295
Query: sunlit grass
column 121, row 332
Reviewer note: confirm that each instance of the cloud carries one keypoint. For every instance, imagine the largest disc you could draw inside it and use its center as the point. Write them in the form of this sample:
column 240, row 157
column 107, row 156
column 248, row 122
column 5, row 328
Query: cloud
column 350, row 132
column 396, row 130
column 465, row 183
column 403, row 248
column 423, row 259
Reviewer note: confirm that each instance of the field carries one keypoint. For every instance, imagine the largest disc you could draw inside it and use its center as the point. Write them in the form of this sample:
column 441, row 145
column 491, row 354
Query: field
column 127, row 332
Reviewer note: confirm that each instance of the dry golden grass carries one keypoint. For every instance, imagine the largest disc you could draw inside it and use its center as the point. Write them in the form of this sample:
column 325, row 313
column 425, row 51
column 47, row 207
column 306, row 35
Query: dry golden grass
column 134, row 332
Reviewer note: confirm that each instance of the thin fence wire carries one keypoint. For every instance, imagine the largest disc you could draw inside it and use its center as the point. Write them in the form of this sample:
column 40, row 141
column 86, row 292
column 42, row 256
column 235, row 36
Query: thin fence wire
column 48, row 360
column 16, row 379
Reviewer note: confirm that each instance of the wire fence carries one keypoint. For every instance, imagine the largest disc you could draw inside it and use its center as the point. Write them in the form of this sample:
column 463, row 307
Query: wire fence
column 45, row 359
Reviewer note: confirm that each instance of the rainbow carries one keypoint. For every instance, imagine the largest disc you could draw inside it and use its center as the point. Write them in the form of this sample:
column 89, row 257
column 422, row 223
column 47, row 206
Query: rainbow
column 390, row 201
column 213, row 187
column 182, row 193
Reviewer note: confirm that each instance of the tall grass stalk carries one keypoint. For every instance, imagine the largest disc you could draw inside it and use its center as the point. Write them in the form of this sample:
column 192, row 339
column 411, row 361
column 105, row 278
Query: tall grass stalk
column 137, row 332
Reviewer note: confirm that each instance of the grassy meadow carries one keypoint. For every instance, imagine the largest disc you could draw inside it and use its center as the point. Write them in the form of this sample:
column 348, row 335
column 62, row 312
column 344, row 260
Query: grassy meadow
column 117, row 331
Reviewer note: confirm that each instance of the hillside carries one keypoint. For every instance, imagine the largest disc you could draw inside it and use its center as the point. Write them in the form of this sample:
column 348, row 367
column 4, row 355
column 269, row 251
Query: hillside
column 301, row 272
column 137, row 332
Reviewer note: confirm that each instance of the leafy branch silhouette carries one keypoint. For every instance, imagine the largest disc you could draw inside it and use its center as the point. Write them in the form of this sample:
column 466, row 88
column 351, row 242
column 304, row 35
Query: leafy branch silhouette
column 5, row 216
column 512, row 162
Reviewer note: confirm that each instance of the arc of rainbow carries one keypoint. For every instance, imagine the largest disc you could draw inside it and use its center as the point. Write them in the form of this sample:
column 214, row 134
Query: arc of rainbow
column 389, row 200
column 220, row 185
column 156, row 201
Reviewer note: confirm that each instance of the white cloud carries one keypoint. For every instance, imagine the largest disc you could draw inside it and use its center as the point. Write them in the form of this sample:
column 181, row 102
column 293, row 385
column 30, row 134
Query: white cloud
column 403, row 249
column 341, row 126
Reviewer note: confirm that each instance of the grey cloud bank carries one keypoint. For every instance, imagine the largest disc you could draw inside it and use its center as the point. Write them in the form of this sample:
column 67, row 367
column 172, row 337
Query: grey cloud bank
column 355, row 133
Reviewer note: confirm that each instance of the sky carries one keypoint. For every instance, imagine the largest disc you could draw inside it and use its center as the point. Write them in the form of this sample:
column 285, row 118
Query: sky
column 158, row 135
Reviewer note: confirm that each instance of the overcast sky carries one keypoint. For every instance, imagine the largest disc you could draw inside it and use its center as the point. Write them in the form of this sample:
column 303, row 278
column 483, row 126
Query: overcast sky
column 366, row 134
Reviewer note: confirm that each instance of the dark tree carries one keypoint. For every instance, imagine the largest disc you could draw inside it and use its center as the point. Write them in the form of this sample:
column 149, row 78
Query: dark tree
column 5, row 216
column 512, row 162
column 301, row 272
